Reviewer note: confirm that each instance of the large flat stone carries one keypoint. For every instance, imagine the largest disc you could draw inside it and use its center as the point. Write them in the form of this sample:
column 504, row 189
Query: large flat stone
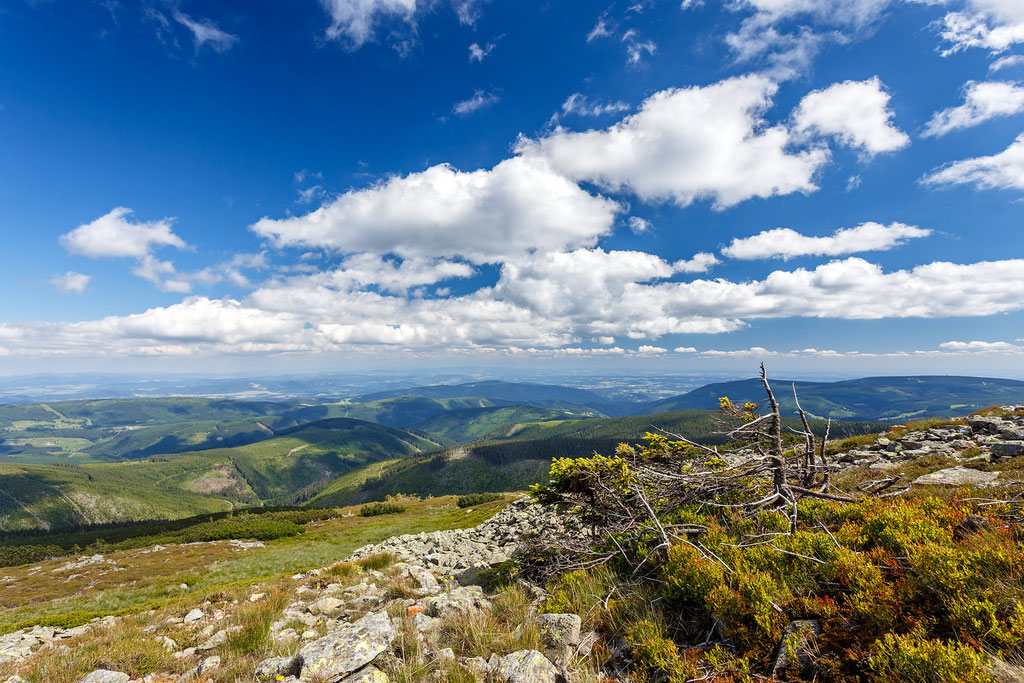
column 957, row 476
column 346, row 649
column 525, row 666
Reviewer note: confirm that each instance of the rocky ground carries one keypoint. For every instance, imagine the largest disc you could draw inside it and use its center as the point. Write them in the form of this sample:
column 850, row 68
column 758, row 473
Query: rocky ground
column 337, row 627
column 971, row 440
column 349, row 622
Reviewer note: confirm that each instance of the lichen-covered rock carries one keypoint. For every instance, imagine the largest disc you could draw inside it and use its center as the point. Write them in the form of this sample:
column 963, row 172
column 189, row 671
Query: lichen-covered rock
column 167, row 643
column 1008, row 448
column 347, row 649
column 209, row 664
column 524, row 666
column 269, row 669
column 368, row 674
column 425, row 581
column 330, row 607
column 957, row 476
column 561, row 632
column 106, row 676
column 218, row 638
column 462, row 600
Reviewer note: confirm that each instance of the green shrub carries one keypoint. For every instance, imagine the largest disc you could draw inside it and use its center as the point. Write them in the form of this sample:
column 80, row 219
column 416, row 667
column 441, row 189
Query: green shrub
column 474, row 499
column 656, row 657
column 241, row 527
column 914, row 658
column 11, row 556
column 382, row 508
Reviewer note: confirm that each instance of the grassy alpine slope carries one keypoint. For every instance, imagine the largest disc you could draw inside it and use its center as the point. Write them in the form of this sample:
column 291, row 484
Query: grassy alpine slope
column 140, row 577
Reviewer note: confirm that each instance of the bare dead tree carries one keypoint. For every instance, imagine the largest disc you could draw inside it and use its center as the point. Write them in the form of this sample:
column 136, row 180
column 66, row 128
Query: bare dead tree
column 808, row 467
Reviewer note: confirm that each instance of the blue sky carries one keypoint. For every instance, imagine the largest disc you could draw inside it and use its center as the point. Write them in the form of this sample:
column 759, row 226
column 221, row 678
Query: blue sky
column 831, row 185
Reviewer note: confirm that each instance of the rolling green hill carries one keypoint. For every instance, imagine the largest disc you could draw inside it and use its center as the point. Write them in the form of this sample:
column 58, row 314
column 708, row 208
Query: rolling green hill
column 508, row 392
column 49, row 496
column 138, row 411
column 176, row 485
column 471, row 424
column 524, row 456
column 83, row 432
column 117, row 429
column 891, row 399
column 406, row 412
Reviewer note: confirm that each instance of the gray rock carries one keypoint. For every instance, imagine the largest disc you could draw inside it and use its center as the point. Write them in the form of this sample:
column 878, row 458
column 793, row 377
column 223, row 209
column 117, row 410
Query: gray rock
column 796, row 643
column 478, row 666
column 106, row 676
column 218, row 638
column 167, row 643
column 424, row 580
column 561, row 633
column 990, row 425
column 957, row 476
column 524, row 666
column 459, row 601
column 347, row 649
column 269, row 669
column 368, row 674
column 473, row 576
column 1010, row 448
column 194, row 615
column 422, row 622
column 209, row 664
column 330, row 607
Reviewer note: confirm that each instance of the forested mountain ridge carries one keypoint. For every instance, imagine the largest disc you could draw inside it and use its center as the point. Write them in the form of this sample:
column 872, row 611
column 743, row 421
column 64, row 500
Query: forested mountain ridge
column 869, row 398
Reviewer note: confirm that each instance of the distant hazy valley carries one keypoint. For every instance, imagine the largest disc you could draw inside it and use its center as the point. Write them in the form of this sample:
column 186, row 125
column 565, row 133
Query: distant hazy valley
column 66, row 463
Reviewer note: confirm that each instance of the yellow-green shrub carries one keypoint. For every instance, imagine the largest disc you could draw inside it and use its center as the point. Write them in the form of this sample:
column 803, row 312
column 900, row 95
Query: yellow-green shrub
column 915, row 658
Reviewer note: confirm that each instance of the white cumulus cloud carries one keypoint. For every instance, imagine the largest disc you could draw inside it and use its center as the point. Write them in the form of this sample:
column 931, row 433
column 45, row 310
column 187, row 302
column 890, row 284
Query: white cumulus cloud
column 700, row 263
column 982, row 347
column 71, row 282
column 854, row 112
column 994, row 25
column 1002, row 171
column 687, row 144
column 115, row 235
column 982, row 101
column 1007, row 62
column 648, row 350
column 786, row 243
column 483, row 216
column 545, row 301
